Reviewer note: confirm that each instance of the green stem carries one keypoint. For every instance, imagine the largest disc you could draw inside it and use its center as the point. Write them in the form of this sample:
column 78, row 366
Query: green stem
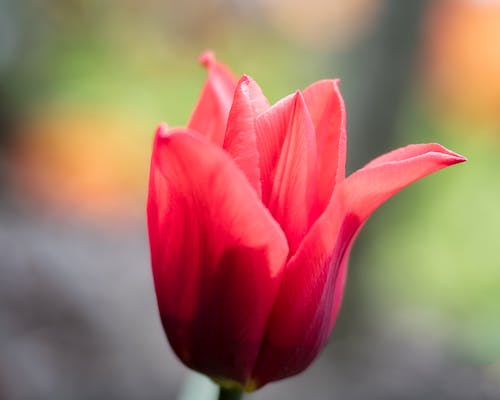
column 230, row 394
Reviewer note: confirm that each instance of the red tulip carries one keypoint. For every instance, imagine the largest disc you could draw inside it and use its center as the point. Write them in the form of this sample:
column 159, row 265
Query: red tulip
column 251, row 221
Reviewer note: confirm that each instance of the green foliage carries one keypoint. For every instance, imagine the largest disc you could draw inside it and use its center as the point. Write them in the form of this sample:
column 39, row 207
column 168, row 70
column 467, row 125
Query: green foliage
column 437, row 249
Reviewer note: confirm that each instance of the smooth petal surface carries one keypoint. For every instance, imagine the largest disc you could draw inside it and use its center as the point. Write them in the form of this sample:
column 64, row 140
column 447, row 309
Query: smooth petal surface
column 293, row 195
column 217, row 255
column 370, row 186
column 328, row 114
column 412, row 150
column 314, row 278
column 240, row 141
column 287, row 148
column 210, row 114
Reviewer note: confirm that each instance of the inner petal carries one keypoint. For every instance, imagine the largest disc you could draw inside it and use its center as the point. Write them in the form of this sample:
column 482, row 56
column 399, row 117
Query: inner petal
column 240, row 139
column 287, row 145
column 327, row 110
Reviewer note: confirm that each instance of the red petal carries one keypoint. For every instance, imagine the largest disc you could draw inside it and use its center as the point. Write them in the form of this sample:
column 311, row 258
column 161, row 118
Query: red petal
column 287, row 149
column 314, row 277
column 294, row 338
column 210, row 114
column 240, row 139
column 370, row 186
column 217, row 255
column 412, row 150
column 327, row 110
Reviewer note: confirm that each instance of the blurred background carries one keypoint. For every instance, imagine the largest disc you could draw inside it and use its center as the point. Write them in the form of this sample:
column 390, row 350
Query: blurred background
column 83, row 84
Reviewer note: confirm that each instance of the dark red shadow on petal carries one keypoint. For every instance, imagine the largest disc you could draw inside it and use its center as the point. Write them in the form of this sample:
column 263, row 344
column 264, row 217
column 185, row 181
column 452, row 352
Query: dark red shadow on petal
column 214, row 342
column 276, row 361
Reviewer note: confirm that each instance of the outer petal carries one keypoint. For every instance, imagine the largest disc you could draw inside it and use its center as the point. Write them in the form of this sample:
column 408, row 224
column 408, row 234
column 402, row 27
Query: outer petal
column 240, row 139
column 314, row 278
column 373, row 184
column 328, row 114
column 412, row 150
column 287, row 150
column 210, row 114
column 217, row 255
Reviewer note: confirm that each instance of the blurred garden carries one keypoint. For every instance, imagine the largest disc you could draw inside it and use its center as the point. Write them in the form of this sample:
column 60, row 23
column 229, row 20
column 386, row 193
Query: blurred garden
column 83, row 84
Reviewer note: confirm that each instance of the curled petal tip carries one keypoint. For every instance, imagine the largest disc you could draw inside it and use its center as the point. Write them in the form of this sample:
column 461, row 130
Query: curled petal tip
column 298, row 97
column 460, row 159
column 207, row 58
column 453, row 158
column 162, row 130
column 244, row 84
column 245, row 79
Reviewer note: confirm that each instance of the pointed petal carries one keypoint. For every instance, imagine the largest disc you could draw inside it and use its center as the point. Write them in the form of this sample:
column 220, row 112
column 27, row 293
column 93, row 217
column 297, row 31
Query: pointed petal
column 240, row 140
column 287, row 148
column 270, row 134
column 210, row 114
column 217, row 255
column 328, row 114
column 373, row 184
column 410, row 151
column 314, row 277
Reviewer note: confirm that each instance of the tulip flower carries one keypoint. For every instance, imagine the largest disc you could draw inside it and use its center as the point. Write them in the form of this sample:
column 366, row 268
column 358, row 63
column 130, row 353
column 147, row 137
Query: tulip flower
column 251, row 220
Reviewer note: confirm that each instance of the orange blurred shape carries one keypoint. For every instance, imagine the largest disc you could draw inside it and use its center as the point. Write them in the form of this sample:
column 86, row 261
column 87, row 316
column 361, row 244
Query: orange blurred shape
column 322, row 24
column 93, row 165
column 462, row 57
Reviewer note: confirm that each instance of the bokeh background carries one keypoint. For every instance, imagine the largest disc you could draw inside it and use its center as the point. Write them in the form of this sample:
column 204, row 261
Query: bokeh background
column 83, row 84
